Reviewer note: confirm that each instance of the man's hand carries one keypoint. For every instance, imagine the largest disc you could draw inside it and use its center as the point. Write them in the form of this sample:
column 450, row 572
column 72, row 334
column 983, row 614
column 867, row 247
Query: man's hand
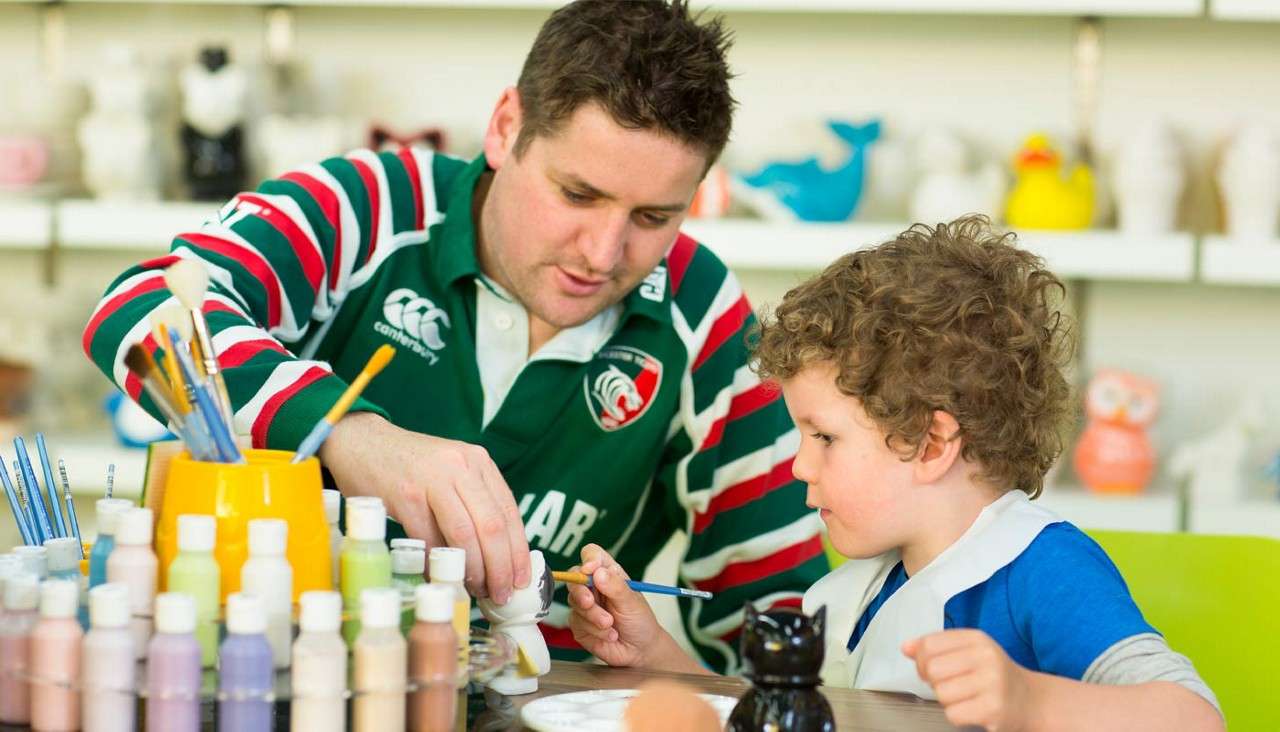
column 974, row 679
column 615, row 624
column 443, row 491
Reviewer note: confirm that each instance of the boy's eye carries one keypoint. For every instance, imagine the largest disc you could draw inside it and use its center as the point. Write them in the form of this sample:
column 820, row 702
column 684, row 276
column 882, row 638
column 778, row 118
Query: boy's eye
column 823, row 438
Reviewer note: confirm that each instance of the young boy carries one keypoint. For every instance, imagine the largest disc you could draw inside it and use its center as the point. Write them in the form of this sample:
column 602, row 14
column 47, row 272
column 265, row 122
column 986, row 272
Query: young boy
column 925, row 376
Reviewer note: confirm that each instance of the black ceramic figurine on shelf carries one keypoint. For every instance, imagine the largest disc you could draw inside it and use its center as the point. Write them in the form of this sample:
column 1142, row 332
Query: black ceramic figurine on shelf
column 212, row 132
column 781, row 656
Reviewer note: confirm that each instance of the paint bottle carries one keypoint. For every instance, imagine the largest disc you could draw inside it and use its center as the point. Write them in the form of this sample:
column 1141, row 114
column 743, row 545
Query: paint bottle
column 245, row 671
column 107, row 704
column 108, row 511
column 55, row 658
column 173, row 666
column 268, row 576
column 134, row 564
column 366, row 563
column 194, row 571
column 63, row 555
column 408, row 564
column 405, row 542
column 332, row 513
column 9, row 566
column 381, row 658
column 449, row 567
column 433, row 661
column 35, row 560
column 319, row 666
column 21, row 596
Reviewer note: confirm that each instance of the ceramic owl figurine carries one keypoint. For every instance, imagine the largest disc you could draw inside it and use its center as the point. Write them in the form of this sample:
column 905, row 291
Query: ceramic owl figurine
column 1115, row 454
column 518, row 620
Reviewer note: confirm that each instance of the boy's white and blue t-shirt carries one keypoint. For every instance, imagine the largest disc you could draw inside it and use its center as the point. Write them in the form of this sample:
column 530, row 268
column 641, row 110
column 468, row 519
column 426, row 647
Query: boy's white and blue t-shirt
column 1041, row 588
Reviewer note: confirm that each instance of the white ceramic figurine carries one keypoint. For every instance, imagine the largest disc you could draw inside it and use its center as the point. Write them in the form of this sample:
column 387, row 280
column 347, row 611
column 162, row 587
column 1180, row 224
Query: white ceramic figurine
column 518, row 620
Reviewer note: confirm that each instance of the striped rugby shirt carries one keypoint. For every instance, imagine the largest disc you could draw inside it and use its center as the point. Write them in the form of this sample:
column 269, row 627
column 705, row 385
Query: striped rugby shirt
column 663, row 429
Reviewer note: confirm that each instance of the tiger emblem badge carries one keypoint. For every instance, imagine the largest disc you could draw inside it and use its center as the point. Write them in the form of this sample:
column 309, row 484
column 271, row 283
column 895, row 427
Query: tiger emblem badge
column 619, row 386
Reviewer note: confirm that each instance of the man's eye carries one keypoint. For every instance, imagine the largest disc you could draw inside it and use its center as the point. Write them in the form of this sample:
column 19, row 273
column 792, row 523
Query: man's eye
column 654, row 220
column 574, row 196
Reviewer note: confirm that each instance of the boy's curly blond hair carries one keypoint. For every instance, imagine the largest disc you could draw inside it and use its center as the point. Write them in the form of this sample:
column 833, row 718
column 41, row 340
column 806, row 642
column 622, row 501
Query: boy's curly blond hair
column 953, row 317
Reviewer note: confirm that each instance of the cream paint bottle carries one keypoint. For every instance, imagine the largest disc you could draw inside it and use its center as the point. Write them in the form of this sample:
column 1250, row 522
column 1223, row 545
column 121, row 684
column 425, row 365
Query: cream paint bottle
column 319, row 666
column 268, row 576
column 108, row 678
column 381, row 663
column 21, row 596
column 133, row 564
column 55, row 659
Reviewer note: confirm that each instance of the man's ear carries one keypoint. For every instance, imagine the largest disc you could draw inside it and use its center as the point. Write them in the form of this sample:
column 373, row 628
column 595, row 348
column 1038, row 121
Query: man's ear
column 940, row 448
column 504, row 128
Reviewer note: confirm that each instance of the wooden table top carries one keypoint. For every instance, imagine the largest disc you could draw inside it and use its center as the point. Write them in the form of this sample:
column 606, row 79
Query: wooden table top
column 854, row 710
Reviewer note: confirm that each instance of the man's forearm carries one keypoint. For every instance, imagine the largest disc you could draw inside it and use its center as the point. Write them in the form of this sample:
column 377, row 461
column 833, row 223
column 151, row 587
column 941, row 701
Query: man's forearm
column 1065, row 704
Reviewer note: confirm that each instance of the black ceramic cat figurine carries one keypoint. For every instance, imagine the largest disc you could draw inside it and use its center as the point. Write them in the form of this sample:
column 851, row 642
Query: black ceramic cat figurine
column 781, row 656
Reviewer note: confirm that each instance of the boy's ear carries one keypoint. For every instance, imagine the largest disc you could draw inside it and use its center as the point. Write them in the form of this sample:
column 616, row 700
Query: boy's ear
column 940, row 449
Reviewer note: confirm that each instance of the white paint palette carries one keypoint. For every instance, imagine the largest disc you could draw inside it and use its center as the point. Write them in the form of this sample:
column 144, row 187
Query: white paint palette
column 596, row 711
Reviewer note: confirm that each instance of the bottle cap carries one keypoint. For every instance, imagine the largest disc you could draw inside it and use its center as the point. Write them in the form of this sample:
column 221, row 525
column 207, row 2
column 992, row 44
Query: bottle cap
column 109, row 605
column 321, row 611
column 448, row 564
column 108, row 512
column 63, row 554
column 380, row 608
column 434, row 603
column 366, row 520
column 332, row 505
column 175, row 613
column 407, row 543
column 197, row 532
column 22, row 592
column 268, row 537
column 35, row 559
column 59, row 598
column 408, row 561
column 134, row 528
column 245, row 614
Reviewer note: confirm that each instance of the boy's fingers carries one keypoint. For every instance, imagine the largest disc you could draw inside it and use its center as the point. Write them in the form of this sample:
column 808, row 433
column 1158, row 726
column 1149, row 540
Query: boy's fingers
column 957, row 689
column 942, row 667
column 581, row 597
column 944, row 642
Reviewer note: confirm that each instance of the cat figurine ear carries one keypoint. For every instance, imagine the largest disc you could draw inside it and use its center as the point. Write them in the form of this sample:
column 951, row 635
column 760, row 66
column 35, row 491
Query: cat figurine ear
column 820, row 623
column 749, row 614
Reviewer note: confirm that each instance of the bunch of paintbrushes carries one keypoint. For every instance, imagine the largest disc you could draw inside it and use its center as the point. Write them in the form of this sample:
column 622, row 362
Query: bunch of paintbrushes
column 38, row 521
column 183, row 379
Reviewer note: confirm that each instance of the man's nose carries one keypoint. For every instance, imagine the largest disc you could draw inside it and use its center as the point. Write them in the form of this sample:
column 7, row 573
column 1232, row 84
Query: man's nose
column 605, row 242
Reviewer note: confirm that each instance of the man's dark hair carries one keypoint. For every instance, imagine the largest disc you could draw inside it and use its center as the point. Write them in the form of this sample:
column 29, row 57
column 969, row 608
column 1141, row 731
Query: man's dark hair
column 648, row 63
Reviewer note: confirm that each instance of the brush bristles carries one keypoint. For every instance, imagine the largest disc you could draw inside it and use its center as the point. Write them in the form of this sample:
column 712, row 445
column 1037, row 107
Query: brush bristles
column 175, row 318
column 139, row 361
column 188, row 281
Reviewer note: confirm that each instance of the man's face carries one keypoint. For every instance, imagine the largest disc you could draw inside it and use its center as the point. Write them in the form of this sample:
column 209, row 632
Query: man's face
column 574, row 223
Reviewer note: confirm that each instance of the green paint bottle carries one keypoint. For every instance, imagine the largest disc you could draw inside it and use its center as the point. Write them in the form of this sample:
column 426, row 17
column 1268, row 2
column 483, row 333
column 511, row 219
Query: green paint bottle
column 365, row 562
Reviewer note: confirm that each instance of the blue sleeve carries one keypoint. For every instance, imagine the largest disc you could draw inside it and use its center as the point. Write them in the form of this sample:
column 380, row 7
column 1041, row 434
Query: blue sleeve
column 1069, row 602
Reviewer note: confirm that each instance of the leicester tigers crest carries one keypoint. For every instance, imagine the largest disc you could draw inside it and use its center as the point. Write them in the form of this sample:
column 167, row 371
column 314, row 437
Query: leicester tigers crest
column 620, row 385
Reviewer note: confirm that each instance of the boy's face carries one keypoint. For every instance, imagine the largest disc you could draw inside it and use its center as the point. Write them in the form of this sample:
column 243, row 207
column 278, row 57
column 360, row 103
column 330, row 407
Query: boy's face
column 861, row 488
column 582, row 216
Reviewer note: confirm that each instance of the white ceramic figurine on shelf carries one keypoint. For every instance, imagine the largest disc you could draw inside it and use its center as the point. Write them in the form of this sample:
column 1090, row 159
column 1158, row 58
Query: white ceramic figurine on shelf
column 947, row 189
column 1250, row 181
column 1215, row 463
column 518, row 620
column 117, row 138
column 1148, row 179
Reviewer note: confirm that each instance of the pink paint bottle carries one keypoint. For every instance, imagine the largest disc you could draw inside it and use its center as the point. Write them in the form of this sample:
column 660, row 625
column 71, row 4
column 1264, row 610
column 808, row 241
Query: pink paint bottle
column 173, row 666
column 133, row 564
column 107, row 678
column 21, row 595
column 55, row 659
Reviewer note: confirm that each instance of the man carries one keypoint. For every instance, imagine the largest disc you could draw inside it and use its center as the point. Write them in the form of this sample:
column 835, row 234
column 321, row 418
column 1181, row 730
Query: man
column 572, row 369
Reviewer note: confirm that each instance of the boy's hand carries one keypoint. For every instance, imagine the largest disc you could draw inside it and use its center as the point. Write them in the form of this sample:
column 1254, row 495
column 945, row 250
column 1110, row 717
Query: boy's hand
column 975, row 680
column 613, row 622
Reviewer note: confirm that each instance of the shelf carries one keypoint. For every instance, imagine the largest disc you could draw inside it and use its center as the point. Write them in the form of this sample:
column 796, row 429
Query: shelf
column 87, row 458
column 127, row 225
column 1139, row 8
column 1101, row 255
column 26, row 224
column 1262, row 10
column 1230, row 262
column 1253, row 518
column 1149, row 511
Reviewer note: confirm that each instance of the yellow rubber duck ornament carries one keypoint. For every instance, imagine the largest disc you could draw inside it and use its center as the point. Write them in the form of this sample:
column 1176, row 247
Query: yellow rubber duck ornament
column 1041, row 197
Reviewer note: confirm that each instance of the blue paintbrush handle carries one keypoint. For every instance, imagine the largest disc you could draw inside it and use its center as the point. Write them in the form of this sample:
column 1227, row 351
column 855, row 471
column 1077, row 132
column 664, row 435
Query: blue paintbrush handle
column 205, row 405
column 59, row 525
column 34, row 494
column 19, row 516
column 313, row 440
column 654, row 589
